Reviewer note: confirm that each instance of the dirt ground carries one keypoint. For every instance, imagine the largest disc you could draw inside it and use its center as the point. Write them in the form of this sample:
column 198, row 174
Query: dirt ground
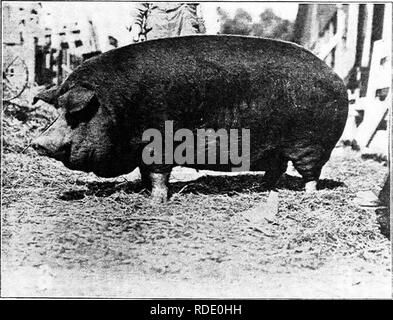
column 67, row 233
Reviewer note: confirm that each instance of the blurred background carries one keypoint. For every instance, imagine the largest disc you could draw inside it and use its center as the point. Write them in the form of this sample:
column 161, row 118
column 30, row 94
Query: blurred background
column 54, row 37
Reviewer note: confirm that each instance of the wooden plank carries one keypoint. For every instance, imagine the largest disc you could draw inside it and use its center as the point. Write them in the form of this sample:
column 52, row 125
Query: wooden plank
column 66, row 68
column 340, row 63
column 324, row 51
column 375, row 109
column 367, row 32
column 375, row 112
column 373, row 116
column 352, row 31
column 350, row 129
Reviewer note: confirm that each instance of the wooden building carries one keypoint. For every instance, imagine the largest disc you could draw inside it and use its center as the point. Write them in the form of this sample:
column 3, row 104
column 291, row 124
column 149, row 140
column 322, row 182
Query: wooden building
column 21, row 33
column 44, row 48
column 66, row 46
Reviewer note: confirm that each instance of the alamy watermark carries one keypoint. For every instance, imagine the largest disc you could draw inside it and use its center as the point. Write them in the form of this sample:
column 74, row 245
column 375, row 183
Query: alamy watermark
column 192, row 149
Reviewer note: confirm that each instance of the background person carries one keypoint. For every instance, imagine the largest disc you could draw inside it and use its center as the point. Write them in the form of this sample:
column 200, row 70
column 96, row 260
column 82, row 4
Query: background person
column 165, row 19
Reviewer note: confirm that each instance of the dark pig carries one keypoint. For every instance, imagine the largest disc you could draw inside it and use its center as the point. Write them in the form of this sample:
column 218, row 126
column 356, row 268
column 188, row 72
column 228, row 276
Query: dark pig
column 294, row 105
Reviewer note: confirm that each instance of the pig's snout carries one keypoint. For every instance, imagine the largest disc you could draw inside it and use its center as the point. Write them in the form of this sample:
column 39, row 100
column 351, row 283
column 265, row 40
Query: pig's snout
column 45, row 147
column 54, row 142
column 40, row 146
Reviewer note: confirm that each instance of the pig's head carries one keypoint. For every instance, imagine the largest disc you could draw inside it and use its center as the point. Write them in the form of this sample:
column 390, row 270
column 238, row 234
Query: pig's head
column 85, row 136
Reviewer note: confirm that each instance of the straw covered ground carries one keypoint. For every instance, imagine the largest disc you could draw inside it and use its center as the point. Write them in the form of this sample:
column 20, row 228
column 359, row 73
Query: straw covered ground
column 67, row 233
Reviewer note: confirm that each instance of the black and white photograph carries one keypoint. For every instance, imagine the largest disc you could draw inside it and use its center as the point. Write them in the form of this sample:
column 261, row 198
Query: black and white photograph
column 196, row 150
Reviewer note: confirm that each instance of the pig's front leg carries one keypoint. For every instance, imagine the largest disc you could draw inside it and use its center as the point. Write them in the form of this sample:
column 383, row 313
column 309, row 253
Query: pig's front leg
column 157, row 182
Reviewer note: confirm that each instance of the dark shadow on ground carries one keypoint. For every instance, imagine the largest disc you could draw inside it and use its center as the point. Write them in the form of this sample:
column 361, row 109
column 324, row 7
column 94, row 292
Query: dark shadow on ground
column 102, row 189
column 383, row 213
column 228, row 185
column 383, row 219
column 231, row 185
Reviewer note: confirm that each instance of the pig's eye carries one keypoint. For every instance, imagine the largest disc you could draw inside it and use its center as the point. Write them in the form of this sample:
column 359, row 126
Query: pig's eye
column 75, row 116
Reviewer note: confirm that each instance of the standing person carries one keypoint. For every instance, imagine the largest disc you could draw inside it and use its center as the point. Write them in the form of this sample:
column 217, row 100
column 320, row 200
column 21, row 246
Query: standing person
column 165, row 19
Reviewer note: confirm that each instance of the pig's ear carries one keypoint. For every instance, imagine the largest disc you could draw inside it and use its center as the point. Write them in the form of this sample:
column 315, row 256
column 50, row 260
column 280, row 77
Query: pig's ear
column 78, row 99
column 48, row 95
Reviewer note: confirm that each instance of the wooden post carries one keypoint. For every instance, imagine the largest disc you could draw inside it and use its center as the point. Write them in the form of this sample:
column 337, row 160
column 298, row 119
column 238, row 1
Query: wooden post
column 339, row 63
column 350, row 129
column 367, row 39
column 376, row 106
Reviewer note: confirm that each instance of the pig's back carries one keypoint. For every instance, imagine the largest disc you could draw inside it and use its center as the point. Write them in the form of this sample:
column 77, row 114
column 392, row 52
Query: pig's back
column 264, row 78
column 186, row 55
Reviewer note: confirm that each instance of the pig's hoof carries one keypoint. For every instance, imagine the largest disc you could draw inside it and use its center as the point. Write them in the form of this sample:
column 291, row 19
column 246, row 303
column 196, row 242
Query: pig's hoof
column 159, row 196
column 311, row 186
column 159, row 200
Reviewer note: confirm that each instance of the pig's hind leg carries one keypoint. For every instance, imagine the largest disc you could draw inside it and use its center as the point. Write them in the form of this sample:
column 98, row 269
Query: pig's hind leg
column 308, row 161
